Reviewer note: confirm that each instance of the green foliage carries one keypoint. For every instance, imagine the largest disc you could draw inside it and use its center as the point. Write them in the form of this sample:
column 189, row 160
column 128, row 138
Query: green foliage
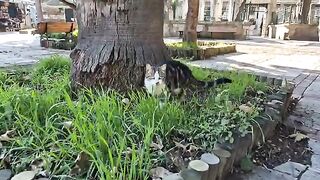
column 56, row 35
column 246, row 164
column 37, row 103
column 193, row 46
column 182, row 45
column 75, row 33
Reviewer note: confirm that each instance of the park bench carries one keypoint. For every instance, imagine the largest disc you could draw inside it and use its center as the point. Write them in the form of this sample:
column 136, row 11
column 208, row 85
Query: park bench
column 46, row 28
column 221, row 30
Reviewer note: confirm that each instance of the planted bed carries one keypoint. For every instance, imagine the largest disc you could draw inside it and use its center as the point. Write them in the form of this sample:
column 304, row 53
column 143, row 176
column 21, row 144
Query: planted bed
column 48, row 132
column 199, row 50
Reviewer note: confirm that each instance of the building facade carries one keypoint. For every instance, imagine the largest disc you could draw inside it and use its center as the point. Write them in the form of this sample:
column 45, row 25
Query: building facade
column 209, row 10
column 260, row 13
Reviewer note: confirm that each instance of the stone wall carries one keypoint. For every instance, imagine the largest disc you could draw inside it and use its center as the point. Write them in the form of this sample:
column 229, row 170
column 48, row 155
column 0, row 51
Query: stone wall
column 302, row 32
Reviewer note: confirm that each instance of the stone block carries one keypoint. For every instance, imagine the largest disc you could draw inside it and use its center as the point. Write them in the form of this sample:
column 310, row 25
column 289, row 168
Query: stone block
column 5, row 174
column 270, row 80
column 276, row 104
column 315, row 162
column 310, row 175
column 278, row 82
column 302, row 32
column 315, row 146
column 292, row 168
column 273, row 113
column 260, row 173
column 263, row 78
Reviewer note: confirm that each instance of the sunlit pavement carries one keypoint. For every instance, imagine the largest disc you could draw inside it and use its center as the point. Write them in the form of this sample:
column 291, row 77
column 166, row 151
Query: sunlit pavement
column 22, row 49
column 265, row 56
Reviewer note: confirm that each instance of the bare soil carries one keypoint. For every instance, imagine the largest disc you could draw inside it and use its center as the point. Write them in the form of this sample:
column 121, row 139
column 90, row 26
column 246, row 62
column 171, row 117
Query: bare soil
column 281, row 148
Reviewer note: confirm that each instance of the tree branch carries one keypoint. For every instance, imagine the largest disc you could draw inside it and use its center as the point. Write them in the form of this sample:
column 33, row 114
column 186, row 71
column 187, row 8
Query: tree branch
column 71, row 5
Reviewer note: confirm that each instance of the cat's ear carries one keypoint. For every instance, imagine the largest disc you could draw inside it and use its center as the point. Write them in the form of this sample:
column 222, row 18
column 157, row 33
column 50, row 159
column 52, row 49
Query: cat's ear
column 163, row 68
column 148, row 66
column 149, row 70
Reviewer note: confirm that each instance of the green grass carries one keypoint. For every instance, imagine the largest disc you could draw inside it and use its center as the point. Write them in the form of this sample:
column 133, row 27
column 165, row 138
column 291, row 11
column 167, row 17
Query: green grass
column 36, row 104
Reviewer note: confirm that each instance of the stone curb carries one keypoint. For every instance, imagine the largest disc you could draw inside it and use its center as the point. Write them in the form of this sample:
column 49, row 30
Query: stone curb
column 276, row 112
column 202, row 53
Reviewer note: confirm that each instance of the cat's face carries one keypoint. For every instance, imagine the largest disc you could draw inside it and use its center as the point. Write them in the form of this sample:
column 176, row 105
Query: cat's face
column 155, row 79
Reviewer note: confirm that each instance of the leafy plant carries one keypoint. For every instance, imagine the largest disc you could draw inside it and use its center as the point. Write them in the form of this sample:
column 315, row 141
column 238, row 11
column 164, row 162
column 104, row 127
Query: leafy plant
column 115, row 135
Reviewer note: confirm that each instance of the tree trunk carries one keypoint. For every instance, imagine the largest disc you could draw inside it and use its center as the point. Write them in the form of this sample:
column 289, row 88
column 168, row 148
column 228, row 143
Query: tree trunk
column 116, row 39
column 305, row 11
column 190, row 30
column 39, row 10
column 240, row 10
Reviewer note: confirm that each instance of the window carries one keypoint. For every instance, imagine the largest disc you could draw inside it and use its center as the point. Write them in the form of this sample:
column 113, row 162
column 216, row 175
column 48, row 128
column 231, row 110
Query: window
column 225, row 11
column 207, row 11
column 286, row 13
column 316, row 15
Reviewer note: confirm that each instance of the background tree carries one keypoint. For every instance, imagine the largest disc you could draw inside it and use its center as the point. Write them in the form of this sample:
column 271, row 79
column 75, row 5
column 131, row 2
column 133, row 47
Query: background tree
column 116, row 39
column 305, row 11
column 190, row 30
column 240, row 10
column 38, row 4
column 70, row 3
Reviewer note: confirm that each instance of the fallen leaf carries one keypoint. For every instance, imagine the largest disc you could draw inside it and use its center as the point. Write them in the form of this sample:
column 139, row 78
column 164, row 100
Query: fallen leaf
column 43, row 174
column 260, row 92
column 126, row 101
column 26, row 175
column 67, row 124
column 246, row 108
column 82, row 164
column 128, row 152
column 159, row 172
column 7, row 136
column 183, row 147
column 175, row 156
column 157, row 145
column 37, row 164
column 298, row 137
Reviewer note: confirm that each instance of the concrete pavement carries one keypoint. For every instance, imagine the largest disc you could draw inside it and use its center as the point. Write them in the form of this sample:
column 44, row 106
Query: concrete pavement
column 22, row 49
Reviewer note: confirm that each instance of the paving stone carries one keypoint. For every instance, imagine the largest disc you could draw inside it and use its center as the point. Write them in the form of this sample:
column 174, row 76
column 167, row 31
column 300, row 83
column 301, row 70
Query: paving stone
column 315, row 161
column 260, row 173
column 301, row 124
column 291, row 168
column 310, row 174
column 315, row 146
column 5, row 174
column 300, row 78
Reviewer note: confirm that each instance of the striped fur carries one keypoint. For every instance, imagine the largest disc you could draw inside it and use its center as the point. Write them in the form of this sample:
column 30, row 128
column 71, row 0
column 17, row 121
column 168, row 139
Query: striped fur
column 175, row 77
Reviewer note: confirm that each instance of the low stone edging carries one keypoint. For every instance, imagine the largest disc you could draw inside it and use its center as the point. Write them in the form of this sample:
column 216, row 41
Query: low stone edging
column 203, row 52
column 57, row 44
column 276, row 111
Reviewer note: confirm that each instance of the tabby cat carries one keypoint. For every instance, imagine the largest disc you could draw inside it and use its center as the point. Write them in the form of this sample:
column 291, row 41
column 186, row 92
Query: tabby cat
column 174, row 77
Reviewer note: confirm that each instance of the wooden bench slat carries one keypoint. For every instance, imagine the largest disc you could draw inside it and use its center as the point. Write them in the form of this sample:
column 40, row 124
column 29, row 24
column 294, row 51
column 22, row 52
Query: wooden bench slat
column 56, row 27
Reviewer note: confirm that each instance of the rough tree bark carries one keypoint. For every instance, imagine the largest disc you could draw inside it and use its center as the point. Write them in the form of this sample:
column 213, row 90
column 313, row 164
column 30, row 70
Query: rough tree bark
column 305, row 11
column 39, row 10
column 240, row 10
column 116, row 39
column 68, row 3
column 190, row 30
